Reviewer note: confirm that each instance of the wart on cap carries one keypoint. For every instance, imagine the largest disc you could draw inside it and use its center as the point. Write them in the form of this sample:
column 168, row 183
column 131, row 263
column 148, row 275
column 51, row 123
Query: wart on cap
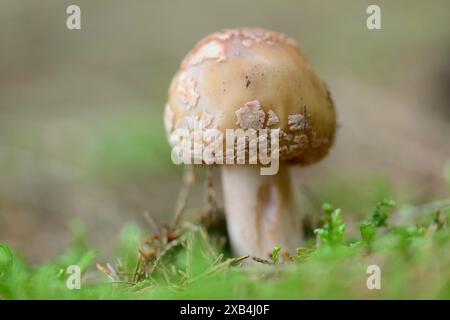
column 251, row 116
column 297, row 122
column 213, row 50
column 187, row 92
column 272, row 119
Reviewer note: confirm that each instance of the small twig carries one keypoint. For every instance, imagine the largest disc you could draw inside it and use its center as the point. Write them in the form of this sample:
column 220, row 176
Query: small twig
column 188, row 181
column 165, row 236
column 107, row 271
column 239, row 259
column 113, row 271
column 151, row 221
column 138, row 267
column 188, row 248
column 203, row 234
column 264, row 261
column 166, row 249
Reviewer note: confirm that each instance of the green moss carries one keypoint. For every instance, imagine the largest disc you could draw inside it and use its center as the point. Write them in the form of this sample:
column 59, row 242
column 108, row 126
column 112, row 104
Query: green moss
column 414, row 263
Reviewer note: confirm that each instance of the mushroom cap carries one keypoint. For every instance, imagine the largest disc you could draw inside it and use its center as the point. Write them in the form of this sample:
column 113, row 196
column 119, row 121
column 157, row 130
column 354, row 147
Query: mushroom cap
column 252, row 78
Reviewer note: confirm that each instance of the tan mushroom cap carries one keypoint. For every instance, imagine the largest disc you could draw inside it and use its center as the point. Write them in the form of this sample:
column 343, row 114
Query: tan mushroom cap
column 252, row 78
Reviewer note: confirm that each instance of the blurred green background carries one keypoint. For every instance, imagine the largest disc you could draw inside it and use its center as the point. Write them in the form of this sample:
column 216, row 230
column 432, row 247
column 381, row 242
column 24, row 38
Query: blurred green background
column 81, row 131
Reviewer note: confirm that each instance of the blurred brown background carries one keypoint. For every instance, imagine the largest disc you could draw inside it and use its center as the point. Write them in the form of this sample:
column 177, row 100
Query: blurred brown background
column 81, row 133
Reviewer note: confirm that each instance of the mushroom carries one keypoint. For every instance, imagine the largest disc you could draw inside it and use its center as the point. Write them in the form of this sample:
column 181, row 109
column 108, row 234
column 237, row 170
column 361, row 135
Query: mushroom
column 254, row 79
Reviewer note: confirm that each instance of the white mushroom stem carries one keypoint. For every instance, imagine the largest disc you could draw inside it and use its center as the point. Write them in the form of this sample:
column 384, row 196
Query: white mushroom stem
column 260, row 211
